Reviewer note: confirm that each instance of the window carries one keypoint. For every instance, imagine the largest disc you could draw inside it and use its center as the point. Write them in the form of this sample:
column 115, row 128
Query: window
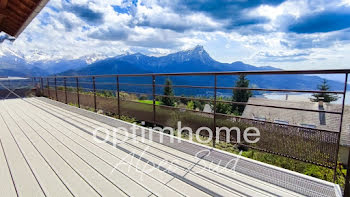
column 280, row 122
column 308, row 126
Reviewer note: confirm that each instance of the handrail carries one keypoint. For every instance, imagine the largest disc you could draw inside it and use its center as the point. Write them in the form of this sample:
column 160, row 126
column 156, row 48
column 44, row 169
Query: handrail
column 220, row 88
column 263, row 72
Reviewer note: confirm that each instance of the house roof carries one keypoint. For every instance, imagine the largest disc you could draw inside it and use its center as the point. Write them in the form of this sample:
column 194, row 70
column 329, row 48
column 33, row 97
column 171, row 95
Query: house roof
column 15, row 15
column 301, row 118
column 12, row 78
column 207, row 108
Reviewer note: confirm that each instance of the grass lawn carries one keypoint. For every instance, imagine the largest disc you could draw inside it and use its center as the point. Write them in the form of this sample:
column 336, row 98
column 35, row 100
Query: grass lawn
column 148, row 102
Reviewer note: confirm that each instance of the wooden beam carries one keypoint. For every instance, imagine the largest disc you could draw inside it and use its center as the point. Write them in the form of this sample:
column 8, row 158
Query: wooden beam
column 29, row 3
column 10, row 24
column 3, row 4
column 17, row 10
column 4, row 13
column 38, row 7
column 12, row 17
column 7, row 29
column 15, row 17
column 12, row 21
column 20, row 5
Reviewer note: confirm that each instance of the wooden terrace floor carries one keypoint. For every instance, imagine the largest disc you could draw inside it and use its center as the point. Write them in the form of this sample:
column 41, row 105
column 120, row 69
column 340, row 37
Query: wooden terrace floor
column 47, row 149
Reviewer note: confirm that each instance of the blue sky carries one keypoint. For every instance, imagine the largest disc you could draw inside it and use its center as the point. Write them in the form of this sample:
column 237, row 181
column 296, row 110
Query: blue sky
column 289, row 34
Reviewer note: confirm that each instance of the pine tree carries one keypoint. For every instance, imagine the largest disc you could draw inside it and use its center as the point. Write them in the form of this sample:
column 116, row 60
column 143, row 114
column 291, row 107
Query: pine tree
column 326, row 96
column 240, row 95
column 168, row 91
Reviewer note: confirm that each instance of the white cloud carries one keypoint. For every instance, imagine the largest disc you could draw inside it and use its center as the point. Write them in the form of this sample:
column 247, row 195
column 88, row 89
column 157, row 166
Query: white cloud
column 153, row 27
column 345, row 2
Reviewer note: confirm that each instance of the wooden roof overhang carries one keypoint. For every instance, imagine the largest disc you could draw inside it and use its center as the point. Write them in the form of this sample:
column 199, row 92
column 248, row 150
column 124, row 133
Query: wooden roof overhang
column 15, row 15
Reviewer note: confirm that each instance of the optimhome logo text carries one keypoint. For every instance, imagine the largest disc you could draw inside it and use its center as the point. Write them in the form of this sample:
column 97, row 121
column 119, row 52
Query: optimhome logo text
column 137, row 134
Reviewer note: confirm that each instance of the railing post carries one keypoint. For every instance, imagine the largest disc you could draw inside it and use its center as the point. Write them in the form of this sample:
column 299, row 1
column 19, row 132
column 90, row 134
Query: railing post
column 347, row 180
column 214, row 129
column 56, row 89
column 340, row 127
column 118, row 96
column 154, row 97
column 65, row 90
column 78, row 96
column 94, row 88
column 48, row 87
column 42, row 85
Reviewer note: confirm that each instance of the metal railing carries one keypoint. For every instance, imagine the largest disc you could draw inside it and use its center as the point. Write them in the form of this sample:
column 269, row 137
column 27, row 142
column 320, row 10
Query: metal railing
column 312, row 145
column 12, row 87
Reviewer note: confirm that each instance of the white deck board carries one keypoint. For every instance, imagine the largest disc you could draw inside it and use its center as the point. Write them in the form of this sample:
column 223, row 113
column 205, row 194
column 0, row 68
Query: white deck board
column 237, row 180
column 47, row 178
column 50, row 151
column 21, row 172
column 157, row 186
column 99, row 183
column 7, row 186
column 204, row 181
column 74, row 182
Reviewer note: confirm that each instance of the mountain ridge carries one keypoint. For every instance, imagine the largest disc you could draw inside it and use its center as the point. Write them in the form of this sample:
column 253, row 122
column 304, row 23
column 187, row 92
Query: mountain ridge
column 196, row 60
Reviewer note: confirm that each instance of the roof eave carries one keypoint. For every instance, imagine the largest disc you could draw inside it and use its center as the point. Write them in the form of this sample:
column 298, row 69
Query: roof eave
column 37, row 10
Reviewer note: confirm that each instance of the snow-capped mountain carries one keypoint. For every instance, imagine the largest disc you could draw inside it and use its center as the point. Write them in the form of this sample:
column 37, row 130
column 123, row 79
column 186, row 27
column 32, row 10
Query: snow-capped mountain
column 9, row 58
column 90, row 59
column 195, row 60
column 197, row 53
column 38, row 63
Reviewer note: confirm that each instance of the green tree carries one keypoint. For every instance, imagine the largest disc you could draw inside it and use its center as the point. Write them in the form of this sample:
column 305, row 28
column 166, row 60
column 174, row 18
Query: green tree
column 143, row 97
column 199, row 104
column 105, row 93
column 190, row 105
column 221, row 107
column 240, row 95
column 168, row 91
column 326, row 96
column 183, row 100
